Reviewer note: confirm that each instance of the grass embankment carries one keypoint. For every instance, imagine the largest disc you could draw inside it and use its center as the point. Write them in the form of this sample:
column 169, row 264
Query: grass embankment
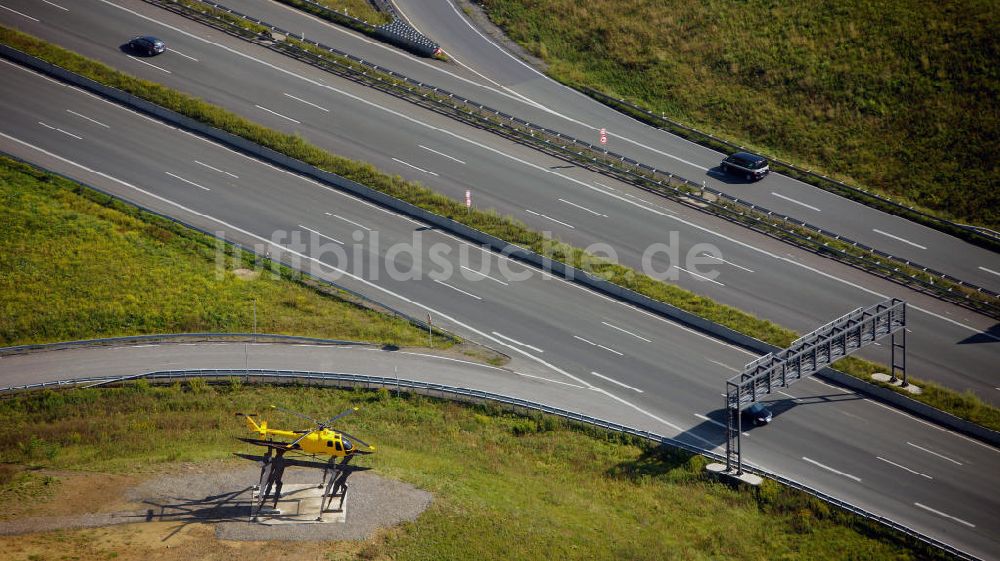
column 965, row 405
column 505, row 487
column 895, row 96
column 360, row 9
column 76, row 264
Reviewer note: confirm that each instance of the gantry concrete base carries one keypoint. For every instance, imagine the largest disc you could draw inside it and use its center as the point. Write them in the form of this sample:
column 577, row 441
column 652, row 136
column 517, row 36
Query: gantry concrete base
column 299, row 504
column 885, row 378
column 719, row 470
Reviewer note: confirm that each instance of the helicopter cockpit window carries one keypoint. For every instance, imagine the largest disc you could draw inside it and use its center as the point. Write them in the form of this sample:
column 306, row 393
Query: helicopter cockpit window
column 347, row 444
column 339, row 448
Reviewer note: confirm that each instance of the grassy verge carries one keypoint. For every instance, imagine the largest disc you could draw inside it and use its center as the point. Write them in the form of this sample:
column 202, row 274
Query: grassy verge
column 505, row 487
column 77, row 264
column 505, row 228
column 360, row 9
column 904, row 103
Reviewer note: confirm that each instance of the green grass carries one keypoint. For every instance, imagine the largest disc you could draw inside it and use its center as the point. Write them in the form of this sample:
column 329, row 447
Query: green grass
column 505, row 487
column 361, row 9
column 75, row 264
column 895, row 96
column 966, row 406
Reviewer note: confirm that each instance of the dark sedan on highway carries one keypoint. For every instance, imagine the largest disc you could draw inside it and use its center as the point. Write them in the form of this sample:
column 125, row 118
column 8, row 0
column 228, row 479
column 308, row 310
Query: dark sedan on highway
column 147, row 45
column 757, row 414
column 751, row 166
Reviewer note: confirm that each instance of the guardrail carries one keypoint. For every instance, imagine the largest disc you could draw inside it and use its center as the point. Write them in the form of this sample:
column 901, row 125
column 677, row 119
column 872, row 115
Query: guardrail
column 978, row 235
column 699, row 197
column 466, row 394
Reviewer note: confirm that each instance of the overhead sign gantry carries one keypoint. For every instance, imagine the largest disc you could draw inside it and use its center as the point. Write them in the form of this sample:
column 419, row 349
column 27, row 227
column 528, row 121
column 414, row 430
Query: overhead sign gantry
column 810, row 354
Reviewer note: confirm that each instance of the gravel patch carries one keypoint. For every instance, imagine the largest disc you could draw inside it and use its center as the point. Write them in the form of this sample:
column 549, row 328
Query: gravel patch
column 222, row 498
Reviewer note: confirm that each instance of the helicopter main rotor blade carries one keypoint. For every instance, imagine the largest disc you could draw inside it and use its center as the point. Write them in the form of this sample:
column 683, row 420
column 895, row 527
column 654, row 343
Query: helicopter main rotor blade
column 355, row 439
column 332, row 419
column 300, row 415
column 299, row 439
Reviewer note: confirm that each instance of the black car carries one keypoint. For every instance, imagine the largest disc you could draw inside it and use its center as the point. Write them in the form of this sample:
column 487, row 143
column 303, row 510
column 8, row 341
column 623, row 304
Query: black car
column 758, row 414
column 751, row 166
column 147, row 45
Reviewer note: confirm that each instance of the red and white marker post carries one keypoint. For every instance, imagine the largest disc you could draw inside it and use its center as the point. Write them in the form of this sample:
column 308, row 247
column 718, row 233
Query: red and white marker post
column 468, row 200
column 604, row 136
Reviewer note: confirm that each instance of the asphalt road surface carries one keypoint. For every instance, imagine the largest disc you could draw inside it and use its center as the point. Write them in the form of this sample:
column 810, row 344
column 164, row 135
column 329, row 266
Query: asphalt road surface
column 625, row 362
column 948, row 345
column 483, row 71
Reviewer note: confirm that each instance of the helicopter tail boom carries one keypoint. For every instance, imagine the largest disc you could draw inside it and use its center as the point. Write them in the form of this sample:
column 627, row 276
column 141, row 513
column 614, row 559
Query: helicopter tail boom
column 253, row 426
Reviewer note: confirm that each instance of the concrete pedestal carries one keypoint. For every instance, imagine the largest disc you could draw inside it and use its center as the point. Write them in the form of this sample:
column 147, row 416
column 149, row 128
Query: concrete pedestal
column 299, row 504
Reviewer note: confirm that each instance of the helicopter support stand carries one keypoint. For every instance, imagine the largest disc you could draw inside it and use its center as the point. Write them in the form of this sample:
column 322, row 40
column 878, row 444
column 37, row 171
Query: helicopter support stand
column 298, row 503
column 337, row 486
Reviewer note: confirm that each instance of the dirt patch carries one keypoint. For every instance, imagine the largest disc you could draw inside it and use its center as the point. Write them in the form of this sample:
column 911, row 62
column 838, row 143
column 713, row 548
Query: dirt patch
column 246, row 274
column 172, row 507
column 74, row 492
column 163, row 541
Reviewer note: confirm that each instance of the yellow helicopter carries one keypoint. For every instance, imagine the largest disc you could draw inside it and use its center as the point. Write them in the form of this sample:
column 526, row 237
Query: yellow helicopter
column 320, row 440
column 305, row 448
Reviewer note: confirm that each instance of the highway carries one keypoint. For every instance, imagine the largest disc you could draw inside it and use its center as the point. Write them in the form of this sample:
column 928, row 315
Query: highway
column 948, row 345
column 505, row 82
column 665, row 377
